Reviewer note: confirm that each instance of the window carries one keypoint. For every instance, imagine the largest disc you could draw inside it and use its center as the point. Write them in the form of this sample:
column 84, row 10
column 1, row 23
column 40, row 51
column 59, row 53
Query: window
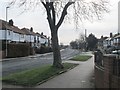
column 38, row 39
column 35, row 40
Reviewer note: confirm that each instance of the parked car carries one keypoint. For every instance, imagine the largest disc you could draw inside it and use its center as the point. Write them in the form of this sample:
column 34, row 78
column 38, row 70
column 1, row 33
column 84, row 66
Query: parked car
column 116, row 52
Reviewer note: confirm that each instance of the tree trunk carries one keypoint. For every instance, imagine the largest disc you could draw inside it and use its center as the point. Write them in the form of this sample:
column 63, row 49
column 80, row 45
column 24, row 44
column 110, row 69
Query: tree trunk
column 57, row 62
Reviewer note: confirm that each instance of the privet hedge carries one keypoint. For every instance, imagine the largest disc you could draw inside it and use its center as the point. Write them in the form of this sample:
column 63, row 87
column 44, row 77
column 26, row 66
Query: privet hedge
column 19, row 50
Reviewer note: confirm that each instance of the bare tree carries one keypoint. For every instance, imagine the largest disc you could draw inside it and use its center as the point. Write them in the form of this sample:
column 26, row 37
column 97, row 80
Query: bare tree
column 56, row 11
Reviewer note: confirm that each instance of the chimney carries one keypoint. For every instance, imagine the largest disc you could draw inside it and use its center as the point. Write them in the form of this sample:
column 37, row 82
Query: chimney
column 11, row 22
column 111, row 35
column 102, row 37
column 31, row 29
column 41, row 33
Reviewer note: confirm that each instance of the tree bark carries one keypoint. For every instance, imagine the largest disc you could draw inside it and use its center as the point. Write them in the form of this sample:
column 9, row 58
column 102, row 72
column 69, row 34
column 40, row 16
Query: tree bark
column 57, row 62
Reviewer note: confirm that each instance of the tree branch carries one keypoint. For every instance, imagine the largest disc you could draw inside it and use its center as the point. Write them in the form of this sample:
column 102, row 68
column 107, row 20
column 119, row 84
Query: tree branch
column 53, row 13
column 50, row 16
column 43, row 4
column 64, row 13
column 47, row 7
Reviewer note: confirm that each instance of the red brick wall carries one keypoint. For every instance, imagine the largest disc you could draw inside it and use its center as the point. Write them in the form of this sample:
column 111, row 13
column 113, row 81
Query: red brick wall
column 106, row 77
column 99, row 76
column 108, row 69
column 115, row 83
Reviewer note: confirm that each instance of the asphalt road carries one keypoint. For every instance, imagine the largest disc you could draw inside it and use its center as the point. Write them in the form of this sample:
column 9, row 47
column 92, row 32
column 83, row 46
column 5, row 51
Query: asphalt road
column 19, row 64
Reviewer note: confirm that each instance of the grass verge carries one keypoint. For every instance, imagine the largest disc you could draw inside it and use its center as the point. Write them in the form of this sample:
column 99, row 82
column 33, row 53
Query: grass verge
column 33, row 77
column 81, row 58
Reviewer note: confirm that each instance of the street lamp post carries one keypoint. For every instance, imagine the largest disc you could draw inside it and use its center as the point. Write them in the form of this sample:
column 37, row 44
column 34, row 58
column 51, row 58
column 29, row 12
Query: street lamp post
column 6, row 29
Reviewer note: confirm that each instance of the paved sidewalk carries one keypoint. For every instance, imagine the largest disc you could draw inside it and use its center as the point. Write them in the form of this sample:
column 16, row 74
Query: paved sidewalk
column 81, row 76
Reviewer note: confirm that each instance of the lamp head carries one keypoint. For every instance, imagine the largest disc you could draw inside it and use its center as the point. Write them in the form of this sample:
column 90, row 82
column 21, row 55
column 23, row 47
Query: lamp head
column 7, row 7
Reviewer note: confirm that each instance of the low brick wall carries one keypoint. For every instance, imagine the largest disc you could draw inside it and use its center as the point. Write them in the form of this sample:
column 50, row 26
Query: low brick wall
column 99, row 77
column 108, row 75
column 115, row 82
column 108, row 69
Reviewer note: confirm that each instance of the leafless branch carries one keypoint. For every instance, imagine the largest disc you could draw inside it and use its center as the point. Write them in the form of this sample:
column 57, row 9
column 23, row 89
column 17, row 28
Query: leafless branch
column 64, row 13
column 82, row 9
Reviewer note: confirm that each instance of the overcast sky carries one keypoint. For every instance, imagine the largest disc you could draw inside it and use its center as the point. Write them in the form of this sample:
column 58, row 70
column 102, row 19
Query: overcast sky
column 37, row 20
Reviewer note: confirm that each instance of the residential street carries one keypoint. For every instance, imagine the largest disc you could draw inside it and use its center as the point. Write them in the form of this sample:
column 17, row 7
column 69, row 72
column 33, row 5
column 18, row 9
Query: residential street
column 19, row 64
column 81, row 76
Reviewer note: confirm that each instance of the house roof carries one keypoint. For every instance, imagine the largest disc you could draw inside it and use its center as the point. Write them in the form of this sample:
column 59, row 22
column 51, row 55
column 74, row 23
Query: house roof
column 28, row 32
column 2, row 26
column 5, row 25
column 108, row 39
column 33, row 33
column 38, row 34
column 43, row 36
column 118, row 36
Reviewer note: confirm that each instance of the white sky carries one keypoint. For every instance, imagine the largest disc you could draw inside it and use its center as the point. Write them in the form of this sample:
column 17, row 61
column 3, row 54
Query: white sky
column 67, row 33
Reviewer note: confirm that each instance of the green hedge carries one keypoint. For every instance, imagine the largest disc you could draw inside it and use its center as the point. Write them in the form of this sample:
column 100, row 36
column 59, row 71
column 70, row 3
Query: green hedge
column 3, row 45
column 19, row 50
column 43, row 49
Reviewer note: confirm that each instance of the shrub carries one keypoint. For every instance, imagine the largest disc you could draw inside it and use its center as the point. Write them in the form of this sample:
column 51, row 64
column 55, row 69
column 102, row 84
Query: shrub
column 43, row 49
column 3, row 47
column 19, row 50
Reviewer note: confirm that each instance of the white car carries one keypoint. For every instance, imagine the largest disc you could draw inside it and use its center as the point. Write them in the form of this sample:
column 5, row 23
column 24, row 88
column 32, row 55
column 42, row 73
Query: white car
column 116, row 52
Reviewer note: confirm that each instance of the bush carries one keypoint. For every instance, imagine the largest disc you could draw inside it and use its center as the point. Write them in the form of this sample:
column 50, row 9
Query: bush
column 19, row 50
column 43, row 50
column 3, row 47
